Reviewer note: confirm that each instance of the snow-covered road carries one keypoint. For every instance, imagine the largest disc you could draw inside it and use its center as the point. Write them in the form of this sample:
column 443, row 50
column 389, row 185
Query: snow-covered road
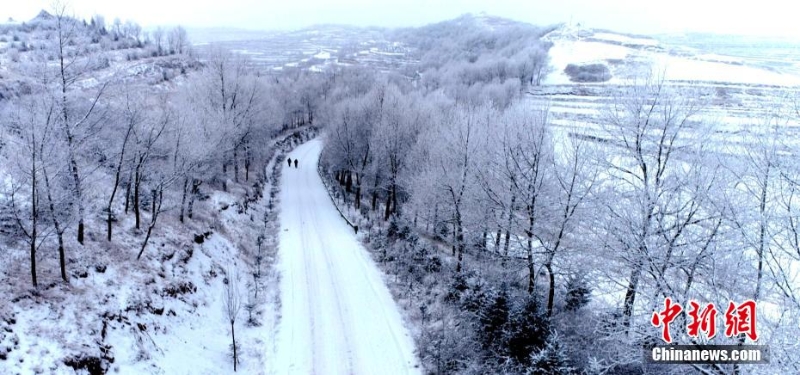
column 337, row 316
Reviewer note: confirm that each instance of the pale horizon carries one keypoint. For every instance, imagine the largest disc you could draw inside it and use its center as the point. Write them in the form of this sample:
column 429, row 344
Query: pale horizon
column 683, row 16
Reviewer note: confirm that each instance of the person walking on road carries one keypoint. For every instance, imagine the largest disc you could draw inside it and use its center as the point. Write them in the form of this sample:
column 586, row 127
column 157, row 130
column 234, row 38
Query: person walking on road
column 295, row 163
column 290, row 162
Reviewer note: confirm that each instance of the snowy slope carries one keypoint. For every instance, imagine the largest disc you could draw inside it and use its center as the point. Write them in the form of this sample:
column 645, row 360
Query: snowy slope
column 337, row 316
column 162, row 314
column 628, row 57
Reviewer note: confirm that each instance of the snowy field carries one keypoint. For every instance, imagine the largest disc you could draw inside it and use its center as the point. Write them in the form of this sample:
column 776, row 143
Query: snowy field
column 736, row 94
column 629, row 57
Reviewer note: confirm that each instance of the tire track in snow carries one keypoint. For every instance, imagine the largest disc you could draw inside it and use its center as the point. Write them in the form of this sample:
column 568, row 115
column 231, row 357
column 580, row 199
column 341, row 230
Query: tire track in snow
column 356, row 326
column 336, row 290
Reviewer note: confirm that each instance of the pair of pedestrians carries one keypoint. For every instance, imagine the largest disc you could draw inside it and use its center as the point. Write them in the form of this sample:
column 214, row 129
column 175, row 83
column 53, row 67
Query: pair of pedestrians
column 289, row 160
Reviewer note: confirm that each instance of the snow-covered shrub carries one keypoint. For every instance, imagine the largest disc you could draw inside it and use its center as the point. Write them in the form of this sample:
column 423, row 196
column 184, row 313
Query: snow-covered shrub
column 553, row 359
column 578, row 293
column 527, row 331
column 588, row 72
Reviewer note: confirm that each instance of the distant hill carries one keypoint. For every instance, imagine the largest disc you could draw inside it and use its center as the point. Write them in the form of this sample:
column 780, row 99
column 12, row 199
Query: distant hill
column 102, row 52
column 204, row 35
column 472, row 47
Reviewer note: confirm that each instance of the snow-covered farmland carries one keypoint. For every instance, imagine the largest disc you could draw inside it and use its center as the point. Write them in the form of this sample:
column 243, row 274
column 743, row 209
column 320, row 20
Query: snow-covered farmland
column 629, row 57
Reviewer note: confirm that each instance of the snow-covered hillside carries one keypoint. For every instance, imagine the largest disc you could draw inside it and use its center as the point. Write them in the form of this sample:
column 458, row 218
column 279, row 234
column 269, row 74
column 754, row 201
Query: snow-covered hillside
column 629, row 56
column 162, row 314
column 118, row 53
column 737, row 94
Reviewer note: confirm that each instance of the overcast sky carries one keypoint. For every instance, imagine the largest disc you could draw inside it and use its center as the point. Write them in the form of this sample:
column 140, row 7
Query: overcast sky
column 763, row 17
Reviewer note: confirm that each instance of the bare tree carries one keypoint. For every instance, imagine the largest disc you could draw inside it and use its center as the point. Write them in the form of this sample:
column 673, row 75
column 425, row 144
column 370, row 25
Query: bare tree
column 178, row 40
column 132, row 30
column 232, row 102
column 189, row 160
column 350, row 151
column 132, row 116
column 158, row 40
column 528, row 151
column 232, row 304
column 393, row 136
column 158, row 200
column 575, row 176
column 56, row 195
column 152, row 146
column 646, row 131
column 78, row 122
column 34, row 121
column 454, row 146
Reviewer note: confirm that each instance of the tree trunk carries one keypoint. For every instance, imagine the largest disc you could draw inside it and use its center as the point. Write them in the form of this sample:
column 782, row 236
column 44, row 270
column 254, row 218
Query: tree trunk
column 427, row 223
column 762, row 233
column 128, row 192
column 136, row 185
column 233, row 338
column 33, row 257
column 57, row 225
column 459, row 239
column 453, row 240
column 630, row 294
column 388, row 211
column 34, row 223
column 375, row 195
column 225, row 176
column 153, row 204
column 78, row 191
column 531, row 269
column 508, row 228
column 435, row 219
column 394, row 198
column 551, row 291
column 157, row 210
column 358, row 191
column 81, row 226
column 62, row 257
column 247, row 165
column 236, row 164
column 529, row 233
column 195, row 192
column 108, row 224
column 499, row 235
column 184, row 192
